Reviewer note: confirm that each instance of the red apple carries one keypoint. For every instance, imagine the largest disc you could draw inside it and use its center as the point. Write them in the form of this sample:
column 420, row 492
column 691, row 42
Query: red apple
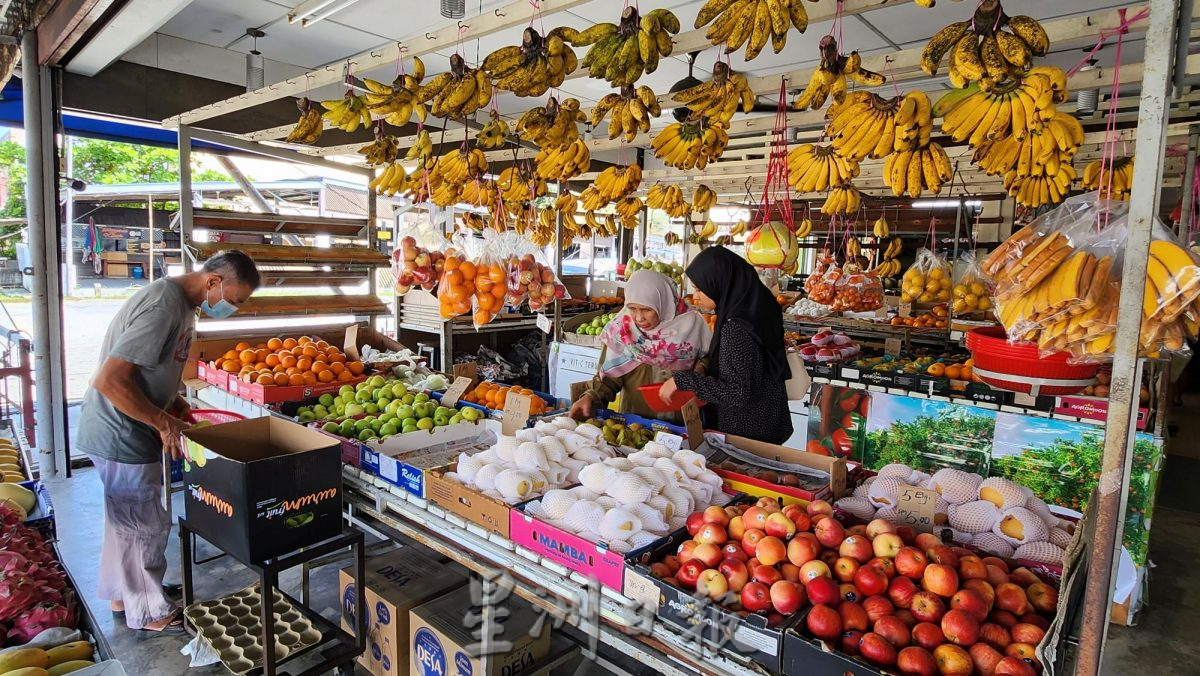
column 850, row 641
column 997, row 562
column 790, row 572
column 971, row 568
column 886, row 565
column 1023, row 651
column 733, row 550
column 984, row 589
column 952, row 659
column 735, row 529
column 767, row 575
column 1024, row 577
column 1042, row 597
column 712, row 584
column 853, row 616
column 801, row 550
column 927, row 606
column 711, row 534
column 687, row 550
column 770, row 551
column 798, row 516
column 960, row 627
column 708, row 553
column 1024, row 632
column 1036, row 620
column 901, row 591
column 856, row 547
column 894, row 630
column 751, row 539
column 928, row 635
column 819, row 507
column 911, row 562
column 878, row 527
column 824, row 622
column 849, row 592
column 672, row 581
column 925, row 541
column 755, row 518
column 940, row 579
column 828, row 557
column 787, row 597
column 716, row 515
column 813, row 569
column 823, row 590
column 916, row 661
column 1013, row 666
column 778, row 525
column 689, row 572
column 857, row 529
column 907, row 534
column 694, row 521
column 844, row 568
column 985, row 658
column 735, row 573
column 994, row 635
column 970, row 601
column 1012, row 598
column 870, row 581
column 1003, row 618
column 660, row 570
column 877, row 607
column 672, row 562
column 996, row 575
column 768, row 503
column 752, row 563
column 943, row 555
column 756, row 597
column 829, row 532
column 905, row 615
column 887, row 545
column 877, row 650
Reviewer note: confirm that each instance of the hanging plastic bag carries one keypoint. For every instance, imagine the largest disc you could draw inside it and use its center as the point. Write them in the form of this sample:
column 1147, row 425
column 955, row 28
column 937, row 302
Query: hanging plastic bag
column 824, row 260
column 535, row 277
column 456, row 285
column 419, row 259
column 857, row 290
column 824, row 290
column 972, row 291
column 927, row 281
column 492, row 278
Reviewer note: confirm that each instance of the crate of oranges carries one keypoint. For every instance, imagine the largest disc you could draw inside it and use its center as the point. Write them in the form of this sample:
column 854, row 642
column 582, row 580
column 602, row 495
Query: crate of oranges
column 490, row 397
column 286, row 369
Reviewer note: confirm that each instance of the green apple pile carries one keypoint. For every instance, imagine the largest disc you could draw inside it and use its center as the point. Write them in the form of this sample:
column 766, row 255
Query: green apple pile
column 634, row 435
column 596, row 326
column 672, row 270
column 388, row 408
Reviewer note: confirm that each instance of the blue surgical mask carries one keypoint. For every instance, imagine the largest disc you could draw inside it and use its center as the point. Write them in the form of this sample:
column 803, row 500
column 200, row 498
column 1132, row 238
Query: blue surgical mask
column 222, row 310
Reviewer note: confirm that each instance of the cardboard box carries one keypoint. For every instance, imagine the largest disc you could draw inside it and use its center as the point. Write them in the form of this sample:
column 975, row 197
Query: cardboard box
column 835, row 467
column 274, row 394
column 408, row 469
column 114, row 256
column 117, row 270
column 569, row 326
column 464, row 633
column 212, row 376
column 470, row 504
column 396, row 583
column 263, row 487
column 1094, row 408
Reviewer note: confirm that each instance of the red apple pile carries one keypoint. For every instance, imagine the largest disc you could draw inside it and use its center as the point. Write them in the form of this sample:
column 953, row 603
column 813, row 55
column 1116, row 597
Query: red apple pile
column 531, row 279
column 903, row 602
column 413, row 265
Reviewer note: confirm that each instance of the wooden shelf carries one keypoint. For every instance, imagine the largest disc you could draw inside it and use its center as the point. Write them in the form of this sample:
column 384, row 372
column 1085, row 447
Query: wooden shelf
column 308, row 305
column 311, row 278
column 240, row 221
column 270, row 254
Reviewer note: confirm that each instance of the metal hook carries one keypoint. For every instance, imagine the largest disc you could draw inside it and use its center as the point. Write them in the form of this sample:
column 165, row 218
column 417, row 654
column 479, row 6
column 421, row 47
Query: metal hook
column 402, row 47
column 429, row 37
column 499, row 13
column 463, row 26
column 375, row 56
column 888, row 59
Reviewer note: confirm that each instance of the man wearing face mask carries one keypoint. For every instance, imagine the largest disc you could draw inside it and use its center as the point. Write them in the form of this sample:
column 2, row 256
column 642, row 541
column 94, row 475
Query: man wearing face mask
column 133, row 415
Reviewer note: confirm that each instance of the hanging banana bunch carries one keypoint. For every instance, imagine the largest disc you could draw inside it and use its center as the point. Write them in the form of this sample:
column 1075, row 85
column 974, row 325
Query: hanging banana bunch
column 981, row 50
column 917, row 170
column 494, row 134
column 383, row 150
column 829, row 77
column 347, row 113
column 690, row 144
column 672, row 239
column 706, row 231
column 813, row 168
column 1015, row 108
column 612, row 185
column 605, row 227
column 620, row 53
column 518, row 184
column 718, row 99
column 843, row 199
column 458, row 93
column 740, row 228
column 422, row 148
column 471, row 222
column 309, row 127
column 631, row 112
column 703, row 199
column 1118, row 186
column 853, row 248
column 563, row 163
column 668, row 198
column 751, row 22
column 890, row 265
column 389, row 181
column 479, row 193
column 397, row 102
column 629, row 209
column 534, row 66
column 1041, row 152
column 804, row 228
column 554, row 125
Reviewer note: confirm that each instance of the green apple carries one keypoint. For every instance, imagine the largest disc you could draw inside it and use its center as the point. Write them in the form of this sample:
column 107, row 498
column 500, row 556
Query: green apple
column 408, row 426
column 387, row 416
column 319, row 410
column 455, row 419
column 331, row 427
column 409, row 399
column 393, row 405
column 376, row 424
column 388, row 430
column 347, row 428
column 346, row 389
column 306, row 416
column 355, row 409
column 371, row 408
column 363, row 424
column 404, row 412
column 367, row 435
column 363, row 396
column 442, row 410
column 425, row 424
column 441, row 419
column 420, row 397
column 399, row 390
column 326, row 399
column 471, row 414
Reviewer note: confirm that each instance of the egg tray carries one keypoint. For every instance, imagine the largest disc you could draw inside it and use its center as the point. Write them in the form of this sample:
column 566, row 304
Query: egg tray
column 232, row 628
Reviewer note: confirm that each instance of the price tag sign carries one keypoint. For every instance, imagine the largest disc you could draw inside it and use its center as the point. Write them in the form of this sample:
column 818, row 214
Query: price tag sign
column 824, row 329
column 641, row 590
column 891, row 346
column 466, row 370
column 516, row 413
column 455, row 391
column 544, row 323
column 905, row 310
column 916, row 508
column 691, row 420
column 671, row 441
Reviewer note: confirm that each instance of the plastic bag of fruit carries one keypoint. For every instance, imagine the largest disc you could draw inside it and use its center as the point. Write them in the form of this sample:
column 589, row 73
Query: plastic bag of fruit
column 494, row 282
column 972, row 292
column 927, row 280
column 824, row 260
column 824, row 289
column 857, row 291
column 535, row 278
column 419, row 259
column 456, row 286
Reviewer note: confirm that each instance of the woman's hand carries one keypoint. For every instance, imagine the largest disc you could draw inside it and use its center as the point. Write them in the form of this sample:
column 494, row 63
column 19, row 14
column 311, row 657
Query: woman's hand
column 701, row 368
column 668, row 390
column 582, row 408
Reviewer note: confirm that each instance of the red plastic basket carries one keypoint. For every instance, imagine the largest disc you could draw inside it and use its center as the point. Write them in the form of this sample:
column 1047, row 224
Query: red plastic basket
column 995, row 358
column 656, row 403
column 215, row 416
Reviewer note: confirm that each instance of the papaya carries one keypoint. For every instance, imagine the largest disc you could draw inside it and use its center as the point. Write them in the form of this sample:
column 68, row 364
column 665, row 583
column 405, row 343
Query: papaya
column 10, row 662
column 75, row 650
column 69, row 666
column 28, row 671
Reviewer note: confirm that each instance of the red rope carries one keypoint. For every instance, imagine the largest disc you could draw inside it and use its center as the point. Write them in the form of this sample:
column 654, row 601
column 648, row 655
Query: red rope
column 1105, row 35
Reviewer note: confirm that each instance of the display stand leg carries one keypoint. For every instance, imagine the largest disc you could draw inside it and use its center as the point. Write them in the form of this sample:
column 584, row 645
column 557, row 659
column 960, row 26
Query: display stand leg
column 268, row 580
column 185, row 562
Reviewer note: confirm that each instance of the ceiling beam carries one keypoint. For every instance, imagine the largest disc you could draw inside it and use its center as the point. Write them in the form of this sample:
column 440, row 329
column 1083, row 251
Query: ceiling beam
column 66, row 25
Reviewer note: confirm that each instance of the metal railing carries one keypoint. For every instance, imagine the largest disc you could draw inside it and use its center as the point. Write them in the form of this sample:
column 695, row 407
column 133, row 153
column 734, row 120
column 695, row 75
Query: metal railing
column 16, row 379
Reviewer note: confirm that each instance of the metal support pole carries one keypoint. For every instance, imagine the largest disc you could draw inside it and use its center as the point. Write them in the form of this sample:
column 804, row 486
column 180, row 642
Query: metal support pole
column 1119, row 426
column 69, row 220
column 558, row 271
column 185, row 194
column 373, row 243
column 150, row 238
column 1182, row 38
column 1189, row 174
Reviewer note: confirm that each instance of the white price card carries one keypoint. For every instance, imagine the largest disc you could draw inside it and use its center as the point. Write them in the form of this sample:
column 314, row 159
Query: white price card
column 916, row 508
column 516, row 413
column 455, row 391
column 672, row 441
column 544, row 323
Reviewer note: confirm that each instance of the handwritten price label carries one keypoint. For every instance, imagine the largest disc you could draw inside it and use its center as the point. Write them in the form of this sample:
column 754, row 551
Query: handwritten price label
column 455, row 391
column 544, row 323
column 916, row 508
column 691, row 421
column 892, row 346
column 516, row 413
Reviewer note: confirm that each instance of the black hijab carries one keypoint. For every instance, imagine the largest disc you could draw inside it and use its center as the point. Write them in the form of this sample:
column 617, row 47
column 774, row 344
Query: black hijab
column 734, row 285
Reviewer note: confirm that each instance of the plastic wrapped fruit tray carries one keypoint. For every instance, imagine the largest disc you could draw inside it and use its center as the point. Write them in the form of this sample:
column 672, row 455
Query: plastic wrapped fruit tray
column 231, row 627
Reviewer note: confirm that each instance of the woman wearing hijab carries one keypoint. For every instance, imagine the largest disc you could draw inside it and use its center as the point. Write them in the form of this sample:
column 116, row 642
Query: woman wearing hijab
column 747, row 363
column 649, row 339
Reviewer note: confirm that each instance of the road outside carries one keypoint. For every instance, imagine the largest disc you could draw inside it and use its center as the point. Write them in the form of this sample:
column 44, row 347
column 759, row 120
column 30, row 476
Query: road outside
column 85, row 322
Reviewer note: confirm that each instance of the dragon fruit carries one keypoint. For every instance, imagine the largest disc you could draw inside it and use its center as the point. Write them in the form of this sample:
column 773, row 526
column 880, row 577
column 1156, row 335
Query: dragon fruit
column 10, row 561
column 9, row 518
column 43, row 616
column 17, row 593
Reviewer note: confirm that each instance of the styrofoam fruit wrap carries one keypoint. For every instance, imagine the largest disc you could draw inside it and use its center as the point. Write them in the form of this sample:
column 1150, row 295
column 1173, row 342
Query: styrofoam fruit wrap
column 859, row 508
column 884, row 493
column 1060, row 538
column 691, row 462
column 887, row 513
column 1042, row 552
column 556, row 502
column 620, row 463
column 530, row 455
column 1039, row 507
column 1021, row 526
column 1003, row 493
column 955, row 485
column 974, row 517
column 619, row 524
column 993, row 544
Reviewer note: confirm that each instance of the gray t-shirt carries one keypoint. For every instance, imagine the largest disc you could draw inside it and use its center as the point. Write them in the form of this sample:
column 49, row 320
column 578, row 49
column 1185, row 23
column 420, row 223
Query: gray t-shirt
column 153, row 331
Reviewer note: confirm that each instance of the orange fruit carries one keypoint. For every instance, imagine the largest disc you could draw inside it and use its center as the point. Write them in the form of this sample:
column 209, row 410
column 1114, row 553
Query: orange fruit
column 322, row 345
column 954, row 372
column 289, row 343
column 304, row 364
column 263, row 379
column 296, row 379
column 232, row 354
column 303, row 340
column 467, row 268
column 338, row 367
column 231, row 365
column 274, row 344
column 281, row 378
column 288, row 361
column 309, row 378
column 261, row 366
column 936, row 369
column 260, row 354
column 272, row 360
column 319, row 367
column 292, row 371
column 242, row 346
column 309, row 351
column 344, row 376
column 325, row 376
column 497, row 274
column 355, row 367
column 451, row 263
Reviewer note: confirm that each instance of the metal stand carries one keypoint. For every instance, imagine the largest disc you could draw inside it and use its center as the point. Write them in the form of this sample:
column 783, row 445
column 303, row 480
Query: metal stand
column 340, row 648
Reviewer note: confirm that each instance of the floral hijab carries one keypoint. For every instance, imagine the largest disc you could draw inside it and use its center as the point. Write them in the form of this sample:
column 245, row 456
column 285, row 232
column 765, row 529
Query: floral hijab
column 680, row 338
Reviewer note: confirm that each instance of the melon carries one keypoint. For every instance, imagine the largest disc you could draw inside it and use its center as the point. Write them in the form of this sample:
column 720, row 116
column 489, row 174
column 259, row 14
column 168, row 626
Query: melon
column 993, row 544
column 895, row 470
column 955, row 485
column 20, row 495
column 771, row 245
